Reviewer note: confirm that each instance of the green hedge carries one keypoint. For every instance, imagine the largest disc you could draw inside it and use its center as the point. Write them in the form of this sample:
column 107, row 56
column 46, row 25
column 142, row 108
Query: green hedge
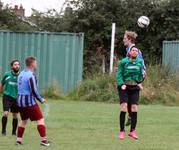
column 160, row 87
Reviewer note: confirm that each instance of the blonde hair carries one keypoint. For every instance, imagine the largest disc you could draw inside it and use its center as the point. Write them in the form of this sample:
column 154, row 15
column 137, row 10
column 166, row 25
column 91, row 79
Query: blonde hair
column 131, row 35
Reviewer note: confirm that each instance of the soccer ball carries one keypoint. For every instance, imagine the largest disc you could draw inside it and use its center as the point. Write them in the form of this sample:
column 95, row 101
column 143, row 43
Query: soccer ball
column 143, row 21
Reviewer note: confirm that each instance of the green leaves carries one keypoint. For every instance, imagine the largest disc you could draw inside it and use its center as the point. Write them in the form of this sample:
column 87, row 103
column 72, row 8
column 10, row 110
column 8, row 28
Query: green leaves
column 10, row 21
column 95, row 17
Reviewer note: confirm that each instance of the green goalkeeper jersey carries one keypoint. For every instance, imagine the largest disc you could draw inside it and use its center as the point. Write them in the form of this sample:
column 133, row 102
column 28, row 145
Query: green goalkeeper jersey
column 9, row 83
column 129, row 70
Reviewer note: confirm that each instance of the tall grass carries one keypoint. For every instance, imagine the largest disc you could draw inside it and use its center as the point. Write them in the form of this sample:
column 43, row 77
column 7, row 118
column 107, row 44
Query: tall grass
column 53, row 92
column 96, row 88
column 160, row 87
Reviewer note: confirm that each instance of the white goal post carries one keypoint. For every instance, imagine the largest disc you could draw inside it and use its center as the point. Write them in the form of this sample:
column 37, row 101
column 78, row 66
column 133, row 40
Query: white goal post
column 112, row 47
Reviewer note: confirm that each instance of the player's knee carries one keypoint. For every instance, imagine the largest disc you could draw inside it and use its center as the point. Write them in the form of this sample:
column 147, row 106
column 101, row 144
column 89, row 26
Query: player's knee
column 41, row 122
column 5, row 113
column 134, row 108
column 23, row 123
column 124, row 107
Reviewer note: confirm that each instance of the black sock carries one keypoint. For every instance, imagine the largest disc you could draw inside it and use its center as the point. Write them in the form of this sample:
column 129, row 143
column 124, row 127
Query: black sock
column 133, row 120
column 4, row 123
column 122, row 120
column 14, row 125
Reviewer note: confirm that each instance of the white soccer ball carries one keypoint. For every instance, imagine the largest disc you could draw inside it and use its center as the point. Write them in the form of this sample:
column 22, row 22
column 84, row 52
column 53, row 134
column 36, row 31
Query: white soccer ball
column 143, row 21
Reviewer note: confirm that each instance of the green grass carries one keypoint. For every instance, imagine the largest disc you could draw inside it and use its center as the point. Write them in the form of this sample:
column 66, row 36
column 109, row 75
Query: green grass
column 94, row 126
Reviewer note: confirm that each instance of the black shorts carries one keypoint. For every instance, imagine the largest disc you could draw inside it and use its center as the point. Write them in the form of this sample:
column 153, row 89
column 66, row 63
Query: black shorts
column 9, row 103
column 130, row 95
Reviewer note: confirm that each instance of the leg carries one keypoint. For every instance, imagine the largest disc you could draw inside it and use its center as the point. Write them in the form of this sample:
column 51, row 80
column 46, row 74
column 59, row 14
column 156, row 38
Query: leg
column 20, row 131
column 14, row 110
column 4, row 122
column 129, row 114
column 41, row 129
column 122, row 120
column 123, row 115
column 133, row 133
column 123, row 96
column 6, row 108
column 134, row 117
column 22, row 124
column 14, row 123
column 134, row 98
column 36, row 115
column 129, row 110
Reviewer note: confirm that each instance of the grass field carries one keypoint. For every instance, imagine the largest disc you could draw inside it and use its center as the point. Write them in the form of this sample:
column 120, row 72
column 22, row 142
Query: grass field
column 94, row 126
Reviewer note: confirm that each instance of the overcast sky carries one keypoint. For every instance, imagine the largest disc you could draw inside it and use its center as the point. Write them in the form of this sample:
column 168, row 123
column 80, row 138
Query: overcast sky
column 41, row 5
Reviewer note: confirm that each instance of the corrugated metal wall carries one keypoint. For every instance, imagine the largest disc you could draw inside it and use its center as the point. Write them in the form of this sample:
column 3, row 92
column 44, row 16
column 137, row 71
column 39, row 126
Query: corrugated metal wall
column 171, row 55
column 60, row 55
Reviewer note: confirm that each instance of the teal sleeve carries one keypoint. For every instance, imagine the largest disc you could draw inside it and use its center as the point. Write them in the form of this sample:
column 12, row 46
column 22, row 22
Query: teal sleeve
column 119, row 74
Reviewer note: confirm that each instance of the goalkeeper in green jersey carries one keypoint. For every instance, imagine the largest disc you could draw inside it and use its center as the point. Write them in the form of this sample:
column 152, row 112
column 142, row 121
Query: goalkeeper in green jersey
column 129, row 77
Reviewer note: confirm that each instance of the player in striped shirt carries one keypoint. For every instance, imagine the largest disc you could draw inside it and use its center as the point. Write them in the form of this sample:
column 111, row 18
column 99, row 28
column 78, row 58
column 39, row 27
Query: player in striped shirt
column 28, row 107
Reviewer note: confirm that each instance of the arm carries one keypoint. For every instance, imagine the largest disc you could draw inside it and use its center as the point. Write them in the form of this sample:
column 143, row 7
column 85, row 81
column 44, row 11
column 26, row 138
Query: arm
column 119, row 74
column 141, row 78
column 1, row 87
column 3, row 81
column 143, row 63
column 34, row 90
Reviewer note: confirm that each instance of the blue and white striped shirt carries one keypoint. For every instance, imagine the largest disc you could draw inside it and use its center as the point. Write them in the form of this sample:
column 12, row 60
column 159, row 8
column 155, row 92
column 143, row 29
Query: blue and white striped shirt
column 27, row 89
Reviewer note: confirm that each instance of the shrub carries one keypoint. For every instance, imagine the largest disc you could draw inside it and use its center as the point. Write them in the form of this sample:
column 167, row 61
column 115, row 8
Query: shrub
column 97, row 88
column 160, row 87
column 53, row 92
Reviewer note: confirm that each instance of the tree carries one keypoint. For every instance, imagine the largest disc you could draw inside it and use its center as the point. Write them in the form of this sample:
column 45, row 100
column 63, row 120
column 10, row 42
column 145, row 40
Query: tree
column 8, row 20
column 94, row 18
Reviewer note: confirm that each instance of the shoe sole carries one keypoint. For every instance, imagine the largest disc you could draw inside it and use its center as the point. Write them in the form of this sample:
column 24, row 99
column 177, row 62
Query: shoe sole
column 46, row 145
column 121, row 138
column 133, row 137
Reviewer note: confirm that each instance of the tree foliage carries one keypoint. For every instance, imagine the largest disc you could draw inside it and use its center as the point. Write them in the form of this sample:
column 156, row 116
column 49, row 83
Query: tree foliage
column 9, row 21
column 95, row 17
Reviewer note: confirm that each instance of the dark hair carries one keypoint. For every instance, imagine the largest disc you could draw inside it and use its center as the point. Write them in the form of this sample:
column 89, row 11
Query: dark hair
column 15, row 60
column 29, row 60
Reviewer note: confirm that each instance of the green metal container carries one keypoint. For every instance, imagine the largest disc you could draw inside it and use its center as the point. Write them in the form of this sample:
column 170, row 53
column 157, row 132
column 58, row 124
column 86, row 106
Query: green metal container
column 59, row 55
column 170, row 56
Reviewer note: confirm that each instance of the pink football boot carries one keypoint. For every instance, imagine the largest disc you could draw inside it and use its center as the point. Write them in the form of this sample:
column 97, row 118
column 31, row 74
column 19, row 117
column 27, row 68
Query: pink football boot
column 121, row 135
column 133, row 134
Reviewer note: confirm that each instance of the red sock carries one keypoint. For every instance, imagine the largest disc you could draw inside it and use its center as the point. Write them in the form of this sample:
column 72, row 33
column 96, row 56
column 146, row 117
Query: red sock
column 20, row 133
column 42, row 131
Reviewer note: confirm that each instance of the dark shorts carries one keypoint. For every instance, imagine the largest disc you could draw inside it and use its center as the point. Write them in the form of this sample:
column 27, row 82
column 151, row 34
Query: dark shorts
column 130, row 95
column 33, row 113
column 9, row 103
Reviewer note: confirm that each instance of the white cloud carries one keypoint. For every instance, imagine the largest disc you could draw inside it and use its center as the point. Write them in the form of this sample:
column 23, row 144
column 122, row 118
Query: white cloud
column 41, row 5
